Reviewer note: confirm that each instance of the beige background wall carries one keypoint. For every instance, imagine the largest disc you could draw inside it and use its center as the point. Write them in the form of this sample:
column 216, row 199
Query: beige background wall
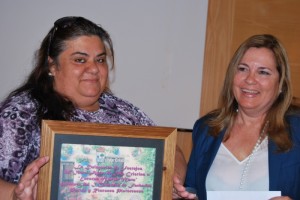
column 159, row 46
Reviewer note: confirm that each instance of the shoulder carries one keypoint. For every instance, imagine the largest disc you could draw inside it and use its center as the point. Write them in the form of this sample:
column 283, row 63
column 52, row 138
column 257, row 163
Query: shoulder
column 19, row 102
column 293, row 121
column 201, row 128
column 125, row 111
column 18, row 108
column 201, row 123
column 202, row 140
column 108, row 99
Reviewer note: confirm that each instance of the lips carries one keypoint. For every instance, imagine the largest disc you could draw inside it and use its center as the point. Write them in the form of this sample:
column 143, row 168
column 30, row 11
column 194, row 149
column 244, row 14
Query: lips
column 250, row 91
column 91, row 80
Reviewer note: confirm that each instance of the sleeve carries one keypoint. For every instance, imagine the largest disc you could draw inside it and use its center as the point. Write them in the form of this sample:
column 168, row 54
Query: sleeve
column 198, row 163
column 142, row 118
column 19, row 138
column 126, row 111
column 289, row 177
column 190, row 180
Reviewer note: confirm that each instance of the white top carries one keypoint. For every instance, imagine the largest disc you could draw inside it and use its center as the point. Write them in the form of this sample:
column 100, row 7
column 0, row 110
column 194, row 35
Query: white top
column 226, row 171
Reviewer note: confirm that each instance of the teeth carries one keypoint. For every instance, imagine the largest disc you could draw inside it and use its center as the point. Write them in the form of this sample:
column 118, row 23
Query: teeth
column 249, row 91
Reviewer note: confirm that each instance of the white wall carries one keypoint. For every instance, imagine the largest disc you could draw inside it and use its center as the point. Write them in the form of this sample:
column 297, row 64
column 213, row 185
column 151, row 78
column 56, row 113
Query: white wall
column 159, row 47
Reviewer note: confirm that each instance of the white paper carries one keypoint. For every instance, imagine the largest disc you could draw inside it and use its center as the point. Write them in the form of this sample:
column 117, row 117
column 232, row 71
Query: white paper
column 242, row 195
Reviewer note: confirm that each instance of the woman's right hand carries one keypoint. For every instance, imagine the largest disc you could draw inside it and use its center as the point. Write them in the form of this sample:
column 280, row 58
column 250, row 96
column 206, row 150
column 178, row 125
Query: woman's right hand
column 179, row 191
column 27, row 186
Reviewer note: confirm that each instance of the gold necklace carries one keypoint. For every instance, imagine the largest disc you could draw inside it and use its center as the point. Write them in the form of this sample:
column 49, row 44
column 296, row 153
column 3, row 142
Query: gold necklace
column 251, row 156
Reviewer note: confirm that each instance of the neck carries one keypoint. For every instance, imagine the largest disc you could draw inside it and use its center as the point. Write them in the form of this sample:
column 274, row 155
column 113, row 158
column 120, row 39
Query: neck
column 244, row 119
column 89, row 107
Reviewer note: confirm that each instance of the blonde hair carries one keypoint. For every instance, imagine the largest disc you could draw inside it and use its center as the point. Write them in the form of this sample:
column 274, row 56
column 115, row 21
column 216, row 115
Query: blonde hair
column 225, row 114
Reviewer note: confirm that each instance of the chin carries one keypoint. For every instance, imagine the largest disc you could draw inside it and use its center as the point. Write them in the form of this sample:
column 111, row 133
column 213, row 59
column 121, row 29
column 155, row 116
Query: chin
column 91, row 94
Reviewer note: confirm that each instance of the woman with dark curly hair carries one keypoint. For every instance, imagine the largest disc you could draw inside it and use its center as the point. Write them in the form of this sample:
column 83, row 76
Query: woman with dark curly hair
column 69, row 82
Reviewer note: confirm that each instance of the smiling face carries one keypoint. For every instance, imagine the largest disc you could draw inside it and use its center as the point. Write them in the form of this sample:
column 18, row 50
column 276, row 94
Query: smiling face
column 81, row 72
column 256, row 81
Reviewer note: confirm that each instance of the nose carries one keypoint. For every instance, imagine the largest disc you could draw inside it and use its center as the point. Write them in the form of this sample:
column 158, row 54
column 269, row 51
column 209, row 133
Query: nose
column 93, row 68
column 250, row 78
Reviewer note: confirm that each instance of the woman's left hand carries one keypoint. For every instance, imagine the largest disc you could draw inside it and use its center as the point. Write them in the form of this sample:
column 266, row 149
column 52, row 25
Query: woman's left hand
column 179, row 191
column 27, row 187
column 281, row 198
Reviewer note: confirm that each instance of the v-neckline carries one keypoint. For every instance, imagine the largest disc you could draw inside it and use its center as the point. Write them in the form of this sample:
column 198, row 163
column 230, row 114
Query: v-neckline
column 233, row 156
column 240, row 162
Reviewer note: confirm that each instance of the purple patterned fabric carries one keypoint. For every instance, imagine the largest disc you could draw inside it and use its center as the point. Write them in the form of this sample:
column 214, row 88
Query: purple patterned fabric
column 20, row 133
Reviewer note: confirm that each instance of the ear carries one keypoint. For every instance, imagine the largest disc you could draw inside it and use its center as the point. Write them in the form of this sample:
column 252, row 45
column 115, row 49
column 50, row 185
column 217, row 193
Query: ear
column 279, row 90
column 52, row 67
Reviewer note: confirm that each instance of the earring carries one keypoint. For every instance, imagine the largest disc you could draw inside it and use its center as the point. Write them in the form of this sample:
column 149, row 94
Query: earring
column 50, row 74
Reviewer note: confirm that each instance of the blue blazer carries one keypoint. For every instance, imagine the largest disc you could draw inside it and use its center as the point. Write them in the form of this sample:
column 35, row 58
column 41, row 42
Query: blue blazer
column 284, row 168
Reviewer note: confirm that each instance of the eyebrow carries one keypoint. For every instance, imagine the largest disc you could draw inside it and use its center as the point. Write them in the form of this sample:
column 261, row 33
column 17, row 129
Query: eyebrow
column 260, row 67
column 241, row 63
column 85, row 54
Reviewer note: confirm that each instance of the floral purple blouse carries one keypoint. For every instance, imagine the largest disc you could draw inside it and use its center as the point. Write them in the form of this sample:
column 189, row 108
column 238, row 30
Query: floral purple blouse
column 20, row 132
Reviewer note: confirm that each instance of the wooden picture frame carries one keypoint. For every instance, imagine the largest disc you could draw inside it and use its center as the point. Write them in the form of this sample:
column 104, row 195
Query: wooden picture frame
column 104, row 160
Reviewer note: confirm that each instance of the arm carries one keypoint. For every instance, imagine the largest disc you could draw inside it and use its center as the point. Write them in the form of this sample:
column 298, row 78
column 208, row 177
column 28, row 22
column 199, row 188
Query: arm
column 180, row 165
column 6, row 190
column 188, row 183
column 19, row 139
column 179, row 191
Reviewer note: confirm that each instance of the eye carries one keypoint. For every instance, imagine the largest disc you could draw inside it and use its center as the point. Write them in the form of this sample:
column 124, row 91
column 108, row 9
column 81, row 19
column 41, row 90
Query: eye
column 101, row 60
column 242, row 68
column 80, row 60
column 264, row 72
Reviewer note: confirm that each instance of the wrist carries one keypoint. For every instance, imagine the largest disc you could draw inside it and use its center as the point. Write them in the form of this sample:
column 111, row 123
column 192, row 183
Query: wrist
column 12, row 193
